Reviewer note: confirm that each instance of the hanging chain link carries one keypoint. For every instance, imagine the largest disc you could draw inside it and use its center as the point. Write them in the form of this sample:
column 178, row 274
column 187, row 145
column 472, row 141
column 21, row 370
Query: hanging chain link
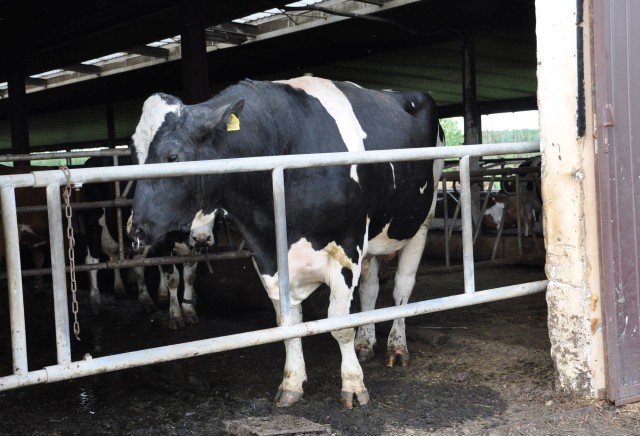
column 72, row 242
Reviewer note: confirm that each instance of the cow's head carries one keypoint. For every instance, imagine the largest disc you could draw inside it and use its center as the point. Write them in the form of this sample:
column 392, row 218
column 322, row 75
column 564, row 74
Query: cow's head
column 170, row 131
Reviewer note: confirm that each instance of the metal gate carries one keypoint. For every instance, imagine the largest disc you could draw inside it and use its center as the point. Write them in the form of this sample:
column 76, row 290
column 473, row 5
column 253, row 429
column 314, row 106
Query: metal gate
column 52, row 180
column 617, row 62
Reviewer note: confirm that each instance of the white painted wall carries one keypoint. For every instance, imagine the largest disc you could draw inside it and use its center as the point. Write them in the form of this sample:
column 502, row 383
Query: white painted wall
column 569, row 194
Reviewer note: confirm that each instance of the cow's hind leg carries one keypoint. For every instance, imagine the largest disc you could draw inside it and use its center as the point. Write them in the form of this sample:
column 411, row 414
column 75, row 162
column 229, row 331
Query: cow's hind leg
column 350, row 369
column 408, row 261
column 290, row 390
column 368, row 290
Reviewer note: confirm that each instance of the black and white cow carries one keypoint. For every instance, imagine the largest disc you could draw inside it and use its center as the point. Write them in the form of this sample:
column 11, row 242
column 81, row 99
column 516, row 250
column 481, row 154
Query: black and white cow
column 338, row 217
column 101, row 230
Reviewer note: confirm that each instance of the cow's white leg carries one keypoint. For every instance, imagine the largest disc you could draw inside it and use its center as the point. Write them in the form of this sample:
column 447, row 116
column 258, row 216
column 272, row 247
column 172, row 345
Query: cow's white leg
column 163, row 289
column 189, row 298
column 295, row 374
column 176, row 322
column 408, row 262
column 350, row 369
column 94, row 293
column 369, row 286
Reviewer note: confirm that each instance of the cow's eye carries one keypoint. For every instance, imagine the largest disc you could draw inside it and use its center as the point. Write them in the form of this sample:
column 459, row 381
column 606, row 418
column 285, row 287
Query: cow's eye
column 172, row 158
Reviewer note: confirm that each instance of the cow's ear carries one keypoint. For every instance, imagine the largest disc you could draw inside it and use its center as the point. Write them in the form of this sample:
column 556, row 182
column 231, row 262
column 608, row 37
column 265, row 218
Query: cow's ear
column 228, row 118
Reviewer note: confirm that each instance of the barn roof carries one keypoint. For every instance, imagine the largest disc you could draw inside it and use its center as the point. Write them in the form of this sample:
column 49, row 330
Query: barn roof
column 82, row 56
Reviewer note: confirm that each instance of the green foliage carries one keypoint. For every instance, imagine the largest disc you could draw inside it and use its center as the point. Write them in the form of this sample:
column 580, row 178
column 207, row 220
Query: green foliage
column 452, row 133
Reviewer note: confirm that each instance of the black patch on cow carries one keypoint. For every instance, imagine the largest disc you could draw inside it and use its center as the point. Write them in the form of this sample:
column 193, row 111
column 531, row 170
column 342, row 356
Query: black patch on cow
column 348, row 276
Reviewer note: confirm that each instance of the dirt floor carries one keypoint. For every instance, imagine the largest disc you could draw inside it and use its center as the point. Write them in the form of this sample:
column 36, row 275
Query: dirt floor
column 479, row 370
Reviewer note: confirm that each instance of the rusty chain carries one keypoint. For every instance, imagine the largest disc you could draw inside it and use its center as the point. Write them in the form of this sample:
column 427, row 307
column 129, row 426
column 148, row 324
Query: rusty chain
column 72, row 242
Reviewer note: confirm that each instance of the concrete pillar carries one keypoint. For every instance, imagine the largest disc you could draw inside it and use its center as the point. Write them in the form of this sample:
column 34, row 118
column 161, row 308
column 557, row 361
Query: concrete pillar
column 569, row 195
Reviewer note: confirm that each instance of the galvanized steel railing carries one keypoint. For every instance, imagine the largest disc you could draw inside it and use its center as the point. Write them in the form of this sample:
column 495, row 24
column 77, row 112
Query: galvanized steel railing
column 52, row 180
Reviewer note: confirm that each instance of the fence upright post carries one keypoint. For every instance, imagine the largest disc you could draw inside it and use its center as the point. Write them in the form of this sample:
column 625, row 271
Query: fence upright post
column 279, row 209
column 14, row 280
column 467, row 226
column 58, row 274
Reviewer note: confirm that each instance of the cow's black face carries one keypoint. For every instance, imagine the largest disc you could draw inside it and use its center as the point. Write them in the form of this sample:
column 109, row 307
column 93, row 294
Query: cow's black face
column 172, row 132
column 161, row 206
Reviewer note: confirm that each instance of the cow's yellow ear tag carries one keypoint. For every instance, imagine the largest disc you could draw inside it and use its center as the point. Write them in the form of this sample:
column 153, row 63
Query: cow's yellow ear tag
column 233, row 123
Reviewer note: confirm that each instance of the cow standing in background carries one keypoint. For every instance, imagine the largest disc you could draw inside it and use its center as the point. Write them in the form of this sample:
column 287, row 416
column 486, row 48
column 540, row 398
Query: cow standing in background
column 337, row 216
column 102, row 236
column 530, row 195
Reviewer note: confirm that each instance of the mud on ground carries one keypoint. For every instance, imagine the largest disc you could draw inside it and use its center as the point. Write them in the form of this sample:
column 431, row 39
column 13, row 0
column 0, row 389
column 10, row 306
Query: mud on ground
column 479, row 370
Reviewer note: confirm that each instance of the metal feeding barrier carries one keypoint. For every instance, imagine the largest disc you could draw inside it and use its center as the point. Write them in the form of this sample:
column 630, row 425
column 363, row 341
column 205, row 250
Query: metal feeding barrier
column 52, row 180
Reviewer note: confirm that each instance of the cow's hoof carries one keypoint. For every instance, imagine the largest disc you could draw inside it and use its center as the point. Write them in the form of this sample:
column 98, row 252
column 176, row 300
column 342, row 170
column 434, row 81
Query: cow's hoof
column 346, row 398
column 287, row 398
column 398, row 354
column 176, row 324
column 365, row 354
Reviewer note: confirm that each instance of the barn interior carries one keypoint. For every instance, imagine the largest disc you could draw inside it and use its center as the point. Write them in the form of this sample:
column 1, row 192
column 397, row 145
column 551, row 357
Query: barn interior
column 74, row 76
column 63, row 57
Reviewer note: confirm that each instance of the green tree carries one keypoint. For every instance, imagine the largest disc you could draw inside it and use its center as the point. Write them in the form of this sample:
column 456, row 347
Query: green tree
column 452, row 133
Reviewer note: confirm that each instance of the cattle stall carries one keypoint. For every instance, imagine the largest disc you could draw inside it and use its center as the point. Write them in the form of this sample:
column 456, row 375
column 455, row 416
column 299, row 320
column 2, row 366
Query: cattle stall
column 52, row 180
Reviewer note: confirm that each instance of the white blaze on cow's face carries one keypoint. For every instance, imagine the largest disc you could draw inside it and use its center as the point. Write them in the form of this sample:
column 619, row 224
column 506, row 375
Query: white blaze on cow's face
column 154, row 110
column 338, row 106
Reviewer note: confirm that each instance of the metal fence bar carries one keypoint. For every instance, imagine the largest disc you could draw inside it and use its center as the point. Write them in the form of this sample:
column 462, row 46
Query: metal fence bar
column 14, row 282
column 64, row 155
column 263, row 163
column 59, row 279
column 282, row 247
column 90, row 366
column 467, row 226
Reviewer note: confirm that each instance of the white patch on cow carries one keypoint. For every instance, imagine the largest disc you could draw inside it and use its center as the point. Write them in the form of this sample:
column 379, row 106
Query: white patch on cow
column 110, row 246
column 495, row 212
column 308, row 268
column 154, row 110
column 202, row 220
column 393, row 174
column 339, row 107
column 383, row 244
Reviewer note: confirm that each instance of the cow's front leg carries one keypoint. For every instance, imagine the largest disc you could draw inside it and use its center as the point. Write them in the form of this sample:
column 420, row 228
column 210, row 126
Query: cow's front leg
column 350, row 369
column 290, row 390
column 189, row 298
column 176, row 321
column 369, row 285
column 408, row 262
